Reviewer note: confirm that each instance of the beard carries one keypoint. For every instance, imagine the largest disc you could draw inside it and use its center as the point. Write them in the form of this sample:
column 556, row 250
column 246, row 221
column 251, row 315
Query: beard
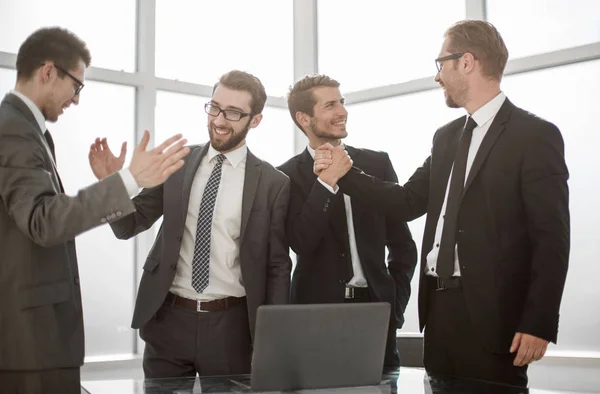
column 457, row 99
column 325, row 135
column 234, row 138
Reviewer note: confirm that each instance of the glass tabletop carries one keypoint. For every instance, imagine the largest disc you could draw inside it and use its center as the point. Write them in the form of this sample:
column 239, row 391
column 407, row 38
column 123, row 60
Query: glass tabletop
column 406, row 380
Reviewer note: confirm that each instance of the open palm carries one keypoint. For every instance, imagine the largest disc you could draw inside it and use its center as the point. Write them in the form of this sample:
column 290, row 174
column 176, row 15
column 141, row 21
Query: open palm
column 102, row 161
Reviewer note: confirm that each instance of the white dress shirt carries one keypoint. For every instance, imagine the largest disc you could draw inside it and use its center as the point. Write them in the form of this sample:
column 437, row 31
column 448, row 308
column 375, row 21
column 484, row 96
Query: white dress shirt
column 484, row 117
column 358, row 280
column 126, row 176
column 225, row 275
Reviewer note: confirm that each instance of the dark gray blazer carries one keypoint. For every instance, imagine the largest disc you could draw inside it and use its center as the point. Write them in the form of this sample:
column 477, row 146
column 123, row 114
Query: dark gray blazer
column 264, row 254
column 41, row 325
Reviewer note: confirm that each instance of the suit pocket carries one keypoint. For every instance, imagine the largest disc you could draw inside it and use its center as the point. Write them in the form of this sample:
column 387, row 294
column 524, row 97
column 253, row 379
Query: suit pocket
column 52, row 293
column 150, row 265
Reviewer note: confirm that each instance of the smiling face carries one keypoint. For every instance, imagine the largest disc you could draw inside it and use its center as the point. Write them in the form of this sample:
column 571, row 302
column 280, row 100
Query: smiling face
column 451, row 79
column 59, row 89
column 329, row 114
column 226, row 135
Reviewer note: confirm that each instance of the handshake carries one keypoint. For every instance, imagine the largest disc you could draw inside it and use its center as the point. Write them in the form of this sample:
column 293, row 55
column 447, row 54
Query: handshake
column 331, row 164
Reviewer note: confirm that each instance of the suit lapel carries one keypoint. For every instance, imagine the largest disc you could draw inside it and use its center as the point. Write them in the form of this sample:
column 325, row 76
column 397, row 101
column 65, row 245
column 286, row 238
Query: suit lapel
column 496, row 128
column 24, row 110
column 182, row 180
column 251, row 179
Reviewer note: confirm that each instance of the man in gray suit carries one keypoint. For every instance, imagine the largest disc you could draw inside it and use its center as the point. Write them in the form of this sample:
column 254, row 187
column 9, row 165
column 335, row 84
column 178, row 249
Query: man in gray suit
column 221, row 250
column 41, row 325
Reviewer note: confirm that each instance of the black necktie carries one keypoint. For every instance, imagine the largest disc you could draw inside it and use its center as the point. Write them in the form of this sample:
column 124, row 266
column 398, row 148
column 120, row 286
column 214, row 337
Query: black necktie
column 341, row 224
column 445, row 260
column 50, row 142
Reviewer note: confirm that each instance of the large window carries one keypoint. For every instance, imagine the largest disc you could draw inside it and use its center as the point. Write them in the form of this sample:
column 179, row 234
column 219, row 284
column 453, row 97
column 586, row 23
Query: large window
column 108, row 28
column 198, row 41
column 106, row 264
column 380, row 42
column 536, row 26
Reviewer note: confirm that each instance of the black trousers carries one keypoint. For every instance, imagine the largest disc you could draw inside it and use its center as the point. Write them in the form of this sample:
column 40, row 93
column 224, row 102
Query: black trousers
column 183, row 342
column 56, row 381
column 452, row 347
column 391, row 359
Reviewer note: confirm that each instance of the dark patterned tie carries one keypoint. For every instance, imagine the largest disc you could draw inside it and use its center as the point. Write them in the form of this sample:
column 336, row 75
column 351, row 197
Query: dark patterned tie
column 445, row 260
column 50, row 142
column 201, row 260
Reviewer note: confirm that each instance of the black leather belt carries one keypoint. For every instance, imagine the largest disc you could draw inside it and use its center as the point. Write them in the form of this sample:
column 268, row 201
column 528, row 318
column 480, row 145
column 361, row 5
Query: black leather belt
column 438, row 284
column 356, row 292
column 220, row 304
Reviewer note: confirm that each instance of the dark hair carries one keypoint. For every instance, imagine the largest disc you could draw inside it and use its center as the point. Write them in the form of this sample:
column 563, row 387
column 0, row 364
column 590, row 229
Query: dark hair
column 54, row 44
column 301, row 98
column 483, row 41
column 240, row 80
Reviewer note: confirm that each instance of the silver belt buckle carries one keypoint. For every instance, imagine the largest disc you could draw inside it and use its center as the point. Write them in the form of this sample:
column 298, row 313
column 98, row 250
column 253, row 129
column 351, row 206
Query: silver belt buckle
column 440, row 284
column 349, row 292
column 198, row 306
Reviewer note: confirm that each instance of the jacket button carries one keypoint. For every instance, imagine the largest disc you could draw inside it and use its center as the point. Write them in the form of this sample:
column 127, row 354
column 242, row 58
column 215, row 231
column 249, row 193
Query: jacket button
column 342, row 254
column 174, row 266
column 342, row 282
column 76, row 280
column 179, row 238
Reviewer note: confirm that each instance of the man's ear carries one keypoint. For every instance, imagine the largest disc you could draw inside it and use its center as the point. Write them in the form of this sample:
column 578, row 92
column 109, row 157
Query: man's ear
column 255, row 120
column 45, row 71
column 303, row 119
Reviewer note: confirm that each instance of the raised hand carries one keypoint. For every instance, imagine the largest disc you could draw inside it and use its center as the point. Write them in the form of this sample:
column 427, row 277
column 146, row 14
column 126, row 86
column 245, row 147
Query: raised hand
column 152, row 168
column 323, row 158
column 341, row 163
column 102, row 161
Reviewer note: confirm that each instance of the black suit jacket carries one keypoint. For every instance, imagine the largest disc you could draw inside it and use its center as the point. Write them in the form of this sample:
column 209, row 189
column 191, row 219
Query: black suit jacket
column 513, row 227
column 264, row 255
column 320, row 243
column 41, row 322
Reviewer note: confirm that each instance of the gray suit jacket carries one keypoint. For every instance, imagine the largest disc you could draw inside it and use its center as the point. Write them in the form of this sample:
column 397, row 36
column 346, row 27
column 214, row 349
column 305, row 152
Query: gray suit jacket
column 264, row 252
column 41, row 325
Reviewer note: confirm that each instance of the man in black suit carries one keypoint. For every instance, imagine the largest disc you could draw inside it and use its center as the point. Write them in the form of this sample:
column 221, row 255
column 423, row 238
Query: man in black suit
column 41, row 319
column 340, row 243
column 497, row 236
column 221, row 250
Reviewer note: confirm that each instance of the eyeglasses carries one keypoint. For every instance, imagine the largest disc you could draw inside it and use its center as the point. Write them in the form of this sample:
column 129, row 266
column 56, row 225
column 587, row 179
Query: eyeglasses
column 439, row 61
column 229, row 114
column 79, row 84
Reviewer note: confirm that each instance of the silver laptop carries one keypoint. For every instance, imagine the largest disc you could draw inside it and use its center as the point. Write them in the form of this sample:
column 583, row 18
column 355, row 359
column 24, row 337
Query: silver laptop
column 319, row 346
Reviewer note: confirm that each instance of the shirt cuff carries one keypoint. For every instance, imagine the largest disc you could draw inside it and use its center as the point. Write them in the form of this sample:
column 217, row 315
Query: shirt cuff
column 331, row 189
column 129, row 181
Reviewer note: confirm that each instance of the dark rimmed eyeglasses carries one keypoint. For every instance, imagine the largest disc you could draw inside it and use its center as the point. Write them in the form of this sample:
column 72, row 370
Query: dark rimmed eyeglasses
column 229, row 114
column 78, row 84
column 440, row 60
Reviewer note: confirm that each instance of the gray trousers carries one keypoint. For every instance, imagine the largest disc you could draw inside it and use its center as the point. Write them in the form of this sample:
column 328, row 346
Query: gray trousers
column 183, row 342
column 55, row 381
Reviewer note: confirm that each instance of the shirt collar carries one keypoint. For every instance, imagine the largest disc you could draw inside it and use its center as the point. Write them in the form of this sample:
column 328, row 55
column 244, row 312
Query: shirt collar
column 312, row 151
column 37, row 114
column 489, row 110
column 234, row 157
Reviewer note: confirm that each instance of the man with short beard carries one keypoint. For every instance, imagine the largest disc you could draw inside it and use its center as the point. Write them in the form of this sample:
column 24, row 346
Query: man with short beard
column 497, row 236
column 220, row 252
column 340, row 243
